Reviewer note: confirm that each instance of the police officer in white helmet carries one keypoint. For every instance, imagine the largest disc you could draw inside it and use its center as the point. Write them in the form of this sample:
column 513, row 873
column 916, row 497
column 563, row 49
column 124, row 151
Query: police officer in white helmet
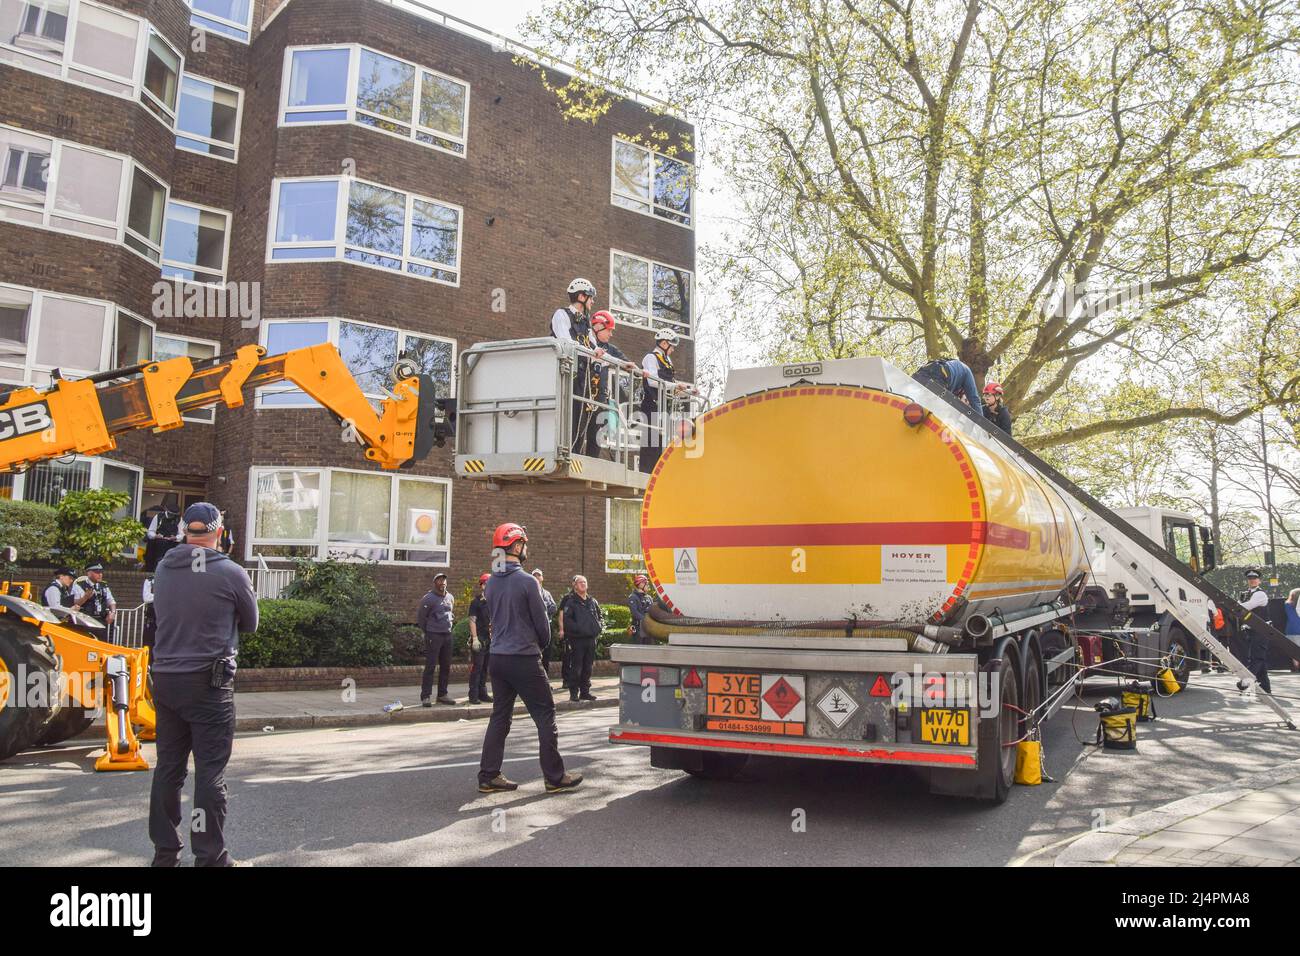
column 573, row 324
column 657, row 367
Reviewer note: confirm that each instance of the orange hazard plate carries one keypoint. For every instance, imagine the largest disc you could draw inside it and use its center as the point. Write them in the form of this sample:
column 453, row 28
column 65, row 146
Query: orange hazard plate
column 774, row 727
column 734, row 695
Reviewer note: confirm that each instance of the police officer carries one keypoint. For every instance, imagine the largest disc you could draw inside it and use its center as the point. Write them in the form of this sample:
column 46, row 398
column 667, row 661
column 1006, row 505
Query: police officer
column 61, row 592
column 1254, row 640
column 583, row 623
column 96, row 599
column 480, row 645
column 435, row 620
column 573, row 324
column 164, row 534
column 203, row 601
column 549, row 603
column 657, row 367
column 227, row 543
column 639, row 603
column 520, row 630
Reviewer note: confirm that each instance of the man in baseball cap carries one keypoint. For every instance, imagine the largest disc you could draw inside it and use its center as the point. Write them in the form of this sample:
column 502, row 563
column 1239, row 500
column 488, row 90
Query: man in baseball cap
column 435, row 618
column 202, row 602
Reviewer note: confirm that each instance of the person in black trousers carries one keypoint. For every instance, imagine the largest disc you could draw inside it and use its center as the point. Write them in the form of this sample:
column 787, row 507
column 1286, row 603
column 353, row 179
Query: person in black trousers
column 480, row 645
column 582, row 625
column 435, row 620
column 203, row 602
column 519, row 631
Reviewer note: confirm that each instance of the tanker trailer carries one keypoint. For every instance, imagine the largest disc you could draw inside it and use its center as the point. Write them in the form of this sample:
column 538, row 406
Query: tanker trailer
column 848, row 570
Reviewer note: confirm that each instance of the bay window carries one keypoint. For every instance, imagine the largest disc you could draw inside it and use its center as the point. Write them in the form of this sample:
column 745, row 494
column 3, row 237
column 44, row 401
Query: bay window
column 365, row 223
column 651, row 183
column 47, row 482
column 92, row 45
column 650, row 294
column 349, row 515
column 41, row 331
column 369, row 351
column 354, row 84
column 144, row 217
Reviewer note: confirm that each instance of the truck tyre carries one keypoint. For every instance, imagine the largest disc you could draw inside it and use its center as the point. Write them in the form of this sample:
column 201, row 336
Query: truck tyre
column 70, row 721
column 719, row 766
column 1182, row 652
column 1032, row 688
column 23, row 652
column 996, row 739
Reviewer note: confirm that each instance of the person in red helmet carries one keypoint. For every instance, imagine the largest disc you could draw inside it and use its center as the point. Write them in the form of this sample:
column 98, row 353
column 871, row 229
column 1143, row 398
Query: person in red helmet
column 639, row 603
column 519, row 632
column 480, row 645
column 995, row 409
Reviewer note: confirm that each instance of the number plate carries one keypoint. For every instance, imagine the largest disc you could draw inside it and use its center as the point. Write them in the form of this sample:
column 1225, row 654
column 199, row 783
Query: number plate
column 946, row 726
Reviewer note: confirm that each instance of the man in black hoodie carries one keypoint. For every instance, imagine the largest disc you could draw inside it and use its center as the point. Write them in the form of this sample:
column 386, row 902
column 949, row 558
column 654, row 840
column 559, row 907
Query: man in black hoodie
column 519, row 632
column 203, row 602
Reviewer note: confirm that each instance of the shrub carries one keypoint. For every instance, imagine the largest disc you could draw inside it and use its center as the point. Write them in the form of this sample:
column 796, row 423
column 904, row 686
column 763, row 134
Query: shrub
column 30, row 527
column 354, row 630
column 332, row 581
column 286, row 633
column 408, row 645
column 89, row 530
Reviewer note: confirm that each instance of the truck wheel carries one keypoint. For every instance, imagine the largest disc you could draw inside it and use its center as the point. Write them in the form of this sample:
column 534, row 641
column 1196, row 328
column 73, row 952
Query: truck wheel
column 1032, row 690
column 998, row 736
column 70, row 721
column 719, row 766
column 1181, row 653
column 23, row 652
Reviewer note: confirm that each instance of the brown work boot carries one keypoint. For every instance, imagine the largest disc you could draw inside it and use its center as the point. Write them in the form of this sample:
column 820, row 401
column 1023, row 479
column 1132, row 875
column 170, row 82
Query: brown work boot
column 498, row 784
column 569, row 781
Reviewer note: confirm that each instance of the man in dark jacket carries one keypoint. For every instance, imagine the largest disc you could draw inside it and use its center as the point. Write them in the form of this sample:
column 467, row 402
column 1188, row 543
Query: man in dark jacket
column 435, row 620
column 480, row 645
column 519, row 632
column 203, row 601
column 582, row 625
column 639, row 603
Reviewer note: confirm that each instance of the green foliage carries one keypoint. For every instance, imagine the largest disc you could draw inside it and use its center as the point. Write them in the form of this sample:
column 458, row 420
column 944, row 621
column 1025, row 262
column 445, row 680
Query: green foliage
column 89, row 529
column 332, row 581
column 408, row 645
column 286, row 634
column 30, row 527
column 354, row 629
column 1232, row 579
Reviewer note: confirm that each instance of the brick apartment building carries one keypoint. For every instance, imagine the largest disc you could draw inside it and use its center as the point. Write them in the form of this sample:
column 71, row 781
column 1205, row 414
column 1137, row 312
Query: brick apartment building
column 384, row 176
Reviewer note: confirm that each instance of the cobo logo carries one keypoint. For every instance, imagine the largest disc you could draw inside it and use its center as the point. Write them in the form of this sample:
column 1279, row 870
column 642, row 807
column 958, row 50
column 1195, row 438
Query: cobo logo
column 796, row 371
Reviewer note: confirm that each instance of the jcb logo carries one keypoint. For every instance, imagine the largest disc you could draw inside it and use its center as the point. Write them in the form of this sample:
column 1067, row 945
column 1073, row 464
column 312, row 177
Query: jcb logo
column 794, row 371
column 24, row 420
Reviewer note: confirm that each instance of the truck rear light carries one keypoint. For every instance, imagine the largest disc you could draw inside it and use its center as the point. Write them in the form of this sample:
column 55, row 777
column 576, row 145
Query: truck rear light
column 914, row 414
column 692, row 680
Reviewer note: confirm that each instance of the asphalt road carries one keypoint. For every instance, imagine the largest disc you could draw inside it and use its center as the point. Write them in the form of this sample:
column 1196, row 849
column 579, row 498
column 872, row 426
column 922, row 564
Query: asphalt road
column 405, row 795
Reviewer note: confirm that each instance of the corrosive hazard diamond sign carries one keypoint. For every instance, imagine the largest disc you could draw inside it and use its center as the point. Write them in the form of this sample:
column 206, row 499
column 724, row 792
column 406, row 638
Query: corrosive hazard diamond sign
column 837, row 706
column 783, row 697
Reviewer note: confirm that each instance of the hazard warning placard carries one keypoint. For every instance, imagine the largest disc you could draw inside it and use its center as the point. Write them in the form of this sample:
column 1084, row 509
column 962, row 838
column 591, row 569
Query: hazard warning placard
column 783, row 697
column 686, row 567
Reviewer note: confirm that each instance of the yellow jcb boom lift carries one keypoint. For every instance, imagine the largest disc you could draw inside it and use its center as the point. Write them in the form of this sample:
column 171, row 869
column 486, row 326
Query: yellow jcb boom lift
column 57, row 673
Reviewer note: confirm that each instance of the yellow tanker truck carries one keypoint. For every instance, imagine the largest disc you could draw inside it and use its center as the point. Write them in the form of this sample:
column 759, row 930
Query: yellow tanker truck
column 847, row 567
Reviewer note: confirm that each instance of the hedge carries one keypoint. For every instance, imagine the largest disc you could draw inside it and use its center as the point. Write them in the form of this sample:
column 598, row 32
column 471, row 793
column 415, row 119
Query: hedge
column 30, row 527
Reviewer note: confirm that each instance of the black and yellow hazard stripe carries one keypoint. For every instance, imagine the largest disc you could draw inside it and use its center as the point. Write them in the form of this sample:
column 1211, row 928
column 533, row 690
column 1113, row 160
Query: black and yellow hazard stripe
column 575, row 466
column 473, row 466
column 534, row 464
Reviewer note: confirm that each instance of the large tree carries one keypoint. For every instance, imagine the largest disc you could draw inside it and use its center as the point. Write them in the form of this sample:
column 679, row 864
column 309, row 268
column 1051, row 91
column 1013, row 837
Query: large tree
column 1057, row 191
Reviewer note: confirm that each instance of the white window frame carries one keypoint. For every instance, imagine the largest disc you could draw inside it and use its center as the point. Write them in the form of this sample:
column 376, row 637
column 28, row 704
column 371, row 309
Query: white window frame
column 126, row 215
column 64, row 65
column 97, row 463
column 340, row 243
column 153, row 328
column 332, row 337
column 321, row 542
column 163, row 261
column 349, row 105
column 48, row 212
column 216, row 350
column 652, row 322
column 170, row 111
column 670, row 213
column 30, row 365
column 616, row 563
column 246, row 28
column 239, row 121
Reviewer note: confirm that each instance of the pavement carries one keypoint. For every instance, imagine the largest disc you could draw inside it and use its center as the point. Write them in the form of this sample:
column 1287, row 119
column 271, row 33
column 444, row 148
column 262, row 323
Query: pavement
column 267, row 711
column 1254, row 821
column 404, row 794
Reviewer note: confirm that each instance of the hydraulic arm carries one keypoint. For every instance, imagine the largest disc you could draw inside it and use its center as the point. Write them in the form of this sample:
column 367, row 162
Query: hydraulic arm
column 84, row 416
